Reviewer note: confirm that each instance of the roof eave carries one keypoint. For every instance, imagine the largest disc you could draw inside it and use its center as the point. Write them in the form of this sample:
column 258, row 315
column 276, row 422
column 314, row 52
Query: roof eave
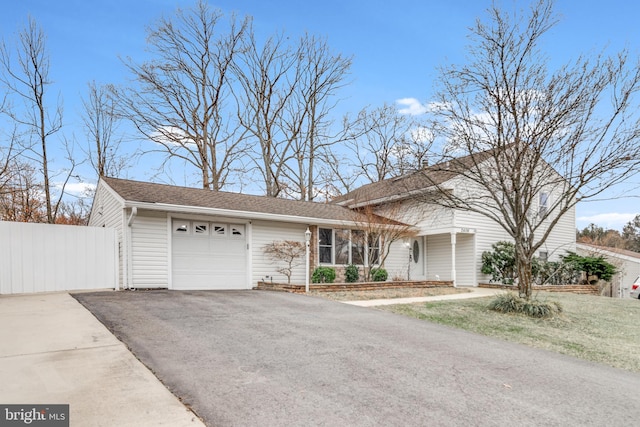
column 247, row 215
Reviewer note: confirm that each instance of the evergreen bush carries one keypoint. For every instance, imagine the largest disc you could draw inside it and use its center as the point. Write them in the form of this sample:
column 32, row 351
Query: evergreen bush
column 351, row 274
column 379, row 274
column 323, row 275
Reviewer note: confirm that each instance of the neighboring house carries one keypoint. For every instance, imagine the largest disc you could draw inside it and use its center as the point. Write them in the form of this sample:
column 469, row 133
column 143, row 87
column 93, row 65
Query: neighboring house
column 626, row 262
column 187, row 238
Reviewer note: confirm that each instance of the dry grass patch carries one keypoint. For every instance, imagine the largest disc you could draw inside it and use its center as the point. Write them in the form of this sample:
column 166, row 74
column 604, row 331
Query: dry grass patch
column 599, row 329
column 388, row 293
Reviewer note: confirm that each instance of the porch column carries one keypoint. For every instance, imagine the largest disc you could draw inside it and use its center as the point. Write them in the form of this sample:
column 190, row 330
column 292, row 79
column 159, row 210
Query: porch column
column 453, row 257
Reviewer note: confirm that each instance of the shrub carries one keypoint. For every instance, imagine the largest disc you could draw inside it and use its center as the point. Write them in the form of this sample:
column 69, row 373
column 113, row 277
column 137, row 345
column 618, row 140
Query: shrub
column 591, row 265
column 323, row 275
column 555, row 272
column 351, row 274
column 379, row 274
column 500, row 263
column 509, row 302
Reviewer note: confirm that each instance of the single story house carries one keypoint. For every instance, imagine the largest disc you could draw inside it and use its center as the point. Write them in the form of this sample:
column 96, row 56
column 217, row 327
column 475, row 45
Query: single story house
column 188, row 238
column 626, row 262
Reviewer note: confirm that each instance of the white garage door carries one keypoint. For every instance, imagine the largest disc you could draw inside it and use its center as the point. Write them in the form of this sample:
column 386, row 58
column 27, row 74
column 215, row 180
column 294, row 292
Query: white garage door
column 209, row 255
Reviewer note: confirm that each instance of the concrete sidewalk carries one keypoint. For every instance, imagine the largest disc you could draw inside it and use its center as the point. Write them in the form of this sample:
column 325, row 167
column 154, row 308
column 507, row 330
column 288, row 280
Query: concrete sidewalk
column 474, row 293
column 55, row 352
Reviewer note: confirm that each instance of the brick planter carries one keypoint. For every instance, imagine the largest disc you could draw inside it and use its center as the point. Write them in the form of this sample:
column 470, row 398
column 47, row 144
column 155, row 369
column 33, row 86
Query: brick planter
column 576, row 289
column 359, row 286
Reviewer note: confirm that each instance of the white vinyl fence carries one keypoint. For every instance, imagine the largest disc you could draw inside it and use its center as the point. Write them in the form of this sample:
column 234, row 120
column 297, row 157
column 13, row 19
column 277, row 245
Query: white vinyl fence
column 47, row 258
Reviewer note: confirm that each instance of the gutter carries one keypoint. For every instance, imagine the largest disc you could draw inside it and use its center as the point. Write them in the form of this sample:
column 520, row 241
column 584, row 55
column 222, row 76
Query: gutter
column 164, row 207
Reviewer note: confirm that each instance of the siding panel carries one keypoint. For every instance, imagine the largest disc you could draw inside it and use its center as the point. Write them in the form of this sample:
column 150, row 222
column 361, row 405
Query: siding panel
column 265, row 232
column 149, row 251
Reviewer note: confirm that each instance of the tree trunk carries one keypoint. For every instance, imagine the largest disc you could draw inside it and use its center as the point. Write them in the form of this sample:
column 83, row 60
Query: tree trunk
column 525, row 278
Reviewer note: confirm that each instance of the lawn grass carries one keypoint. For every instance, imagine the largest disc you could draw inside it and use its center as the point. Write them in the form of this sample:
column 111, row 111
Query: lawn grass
column 598, row 329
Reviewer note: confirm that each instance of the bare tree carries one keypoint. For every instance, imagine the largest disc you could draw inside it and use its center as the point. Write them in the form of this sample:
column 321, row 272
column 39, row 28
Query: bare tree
column 21, row 196
column 100, row 122
column 631, row 234
column 528, row 142
column 386, row 144
column 287, row 93
column 323, row 74
column 290, row 252
column 27, row 78
column 268, row 78
column 180, row 95
column 378, row 229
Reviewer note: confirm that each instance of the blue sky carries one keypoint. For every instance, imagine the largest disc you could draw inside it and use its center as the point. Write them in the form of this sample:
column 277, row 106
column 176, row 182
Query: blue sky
column 396, row 45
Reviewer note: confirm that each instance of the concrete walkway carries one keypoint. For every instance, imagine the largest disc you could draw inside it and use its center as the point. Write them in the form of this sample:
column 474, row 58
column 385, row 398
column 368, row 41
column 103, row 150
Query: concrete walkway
column 55, row 352
column 475, row 293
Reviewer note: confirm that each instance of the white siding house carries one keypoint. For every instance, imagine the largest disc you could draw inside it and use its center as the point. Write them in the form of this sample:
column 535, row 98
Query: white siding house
column 186, row 238
column 454, row 239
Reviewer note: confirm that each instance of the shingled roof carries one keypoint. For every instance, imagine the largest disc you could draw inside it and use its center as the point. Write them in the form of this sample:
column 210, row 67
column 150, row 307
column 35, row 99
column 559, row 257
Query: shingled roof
column 146, row 192
column 406, row 185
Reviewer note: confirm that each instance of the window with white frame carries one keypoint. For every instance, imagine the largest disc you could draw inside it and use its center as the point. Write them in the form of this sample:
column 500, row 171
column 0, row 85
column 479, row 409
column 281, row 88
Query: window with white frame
column 373, row 245
column 343, row 247
column 544, row 256
column 325, row 245
column 543, row 204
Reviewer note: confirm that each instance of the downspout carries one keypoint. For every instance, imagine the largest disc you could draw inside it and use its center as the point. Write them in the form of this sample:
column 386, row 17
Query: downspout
column 132, row 216
column 134, row 212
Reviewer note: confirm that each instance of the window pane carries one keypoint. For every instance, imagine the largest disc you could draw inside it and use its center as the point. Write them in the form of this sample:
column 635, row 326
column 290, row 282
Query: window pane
column 325, row 255
column 544, row 203
column 374, row 249
column 200, row 228
column 325, row 236
column 325, row 245
column 237, row 230
column 180, row 227
column 357, row 247
column 342, row 246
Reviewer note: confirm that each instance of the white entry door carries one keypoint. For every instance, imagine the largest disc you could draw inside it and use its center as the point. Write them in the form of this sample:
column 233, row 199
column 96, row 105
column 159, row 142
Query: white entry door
column 208, row 255
column 417, row 259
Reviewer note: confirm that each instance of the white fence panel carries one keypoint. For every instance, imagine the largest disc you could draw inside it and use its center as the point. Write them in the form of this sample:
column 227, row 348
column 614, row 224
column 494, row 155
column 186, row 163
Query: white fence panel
column 47, row 258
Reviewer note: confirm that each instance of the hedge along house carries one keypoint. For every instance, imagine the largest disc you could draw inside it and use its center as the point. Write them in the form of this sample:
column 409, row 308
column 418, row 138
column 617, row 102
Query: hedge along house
column 188, row 238
column 452, row 240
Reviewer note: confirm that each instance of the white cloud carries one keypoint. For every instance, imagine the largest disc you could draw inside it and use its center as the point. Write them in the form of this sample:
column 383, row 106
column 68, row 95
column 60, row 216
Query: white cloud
column 171, row 135
column 77, row 188
column 613, row 220
column 421, row 134
column 413, row 107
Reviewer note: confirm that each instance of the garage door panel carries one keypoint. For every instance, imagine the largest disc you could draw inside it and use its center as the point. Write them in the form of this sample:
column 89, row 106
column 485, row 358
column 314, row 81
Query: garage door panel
column 212, row 258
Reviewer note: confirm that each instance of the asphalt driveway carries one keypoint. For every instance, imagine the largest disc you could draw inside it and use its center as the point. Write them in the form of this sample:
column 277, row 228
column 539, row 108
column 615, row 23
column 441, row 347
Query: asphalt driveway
column 252, row 358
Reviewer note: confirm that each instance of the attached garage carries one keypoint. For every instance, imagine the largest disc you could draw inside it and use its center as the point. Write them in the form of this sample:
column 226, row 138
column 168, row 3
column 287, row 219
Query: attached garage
column 182, row 238
column 208, row 255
